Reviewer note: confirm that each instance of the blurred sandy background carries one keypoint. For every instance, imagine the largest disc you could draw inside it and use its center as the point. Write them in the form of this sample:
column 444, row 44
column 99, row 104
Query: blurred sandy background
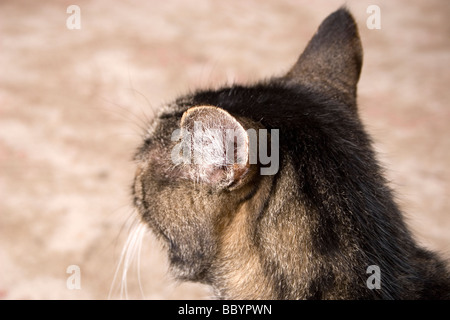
column 73, row 104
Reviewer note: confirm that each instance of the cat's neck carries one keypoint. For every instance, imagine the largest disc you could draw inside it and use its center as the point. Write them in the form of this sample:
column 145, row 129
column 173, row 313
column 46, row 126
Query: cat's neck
column 248, row 243
column 238, row 251
column 285, row 249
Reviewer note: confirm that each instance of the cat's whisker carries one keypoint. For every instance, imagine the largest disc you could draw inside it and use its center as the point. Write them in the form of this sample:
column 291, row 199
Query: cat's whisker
column 151, row 108
column 134, row 91
column 127, row 114
column 138, row 265
column 131, row 249
column 132, row 246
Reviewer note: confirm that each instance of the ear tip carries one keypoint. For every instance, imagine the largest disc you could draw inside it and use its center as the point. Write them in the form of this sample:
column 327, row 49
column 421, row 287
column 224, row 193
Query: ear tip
column 341, row 21
column 331, row 62
column 342, row 24
column 344, row 13
column 197, row 113
column 344, row 10
column 337, row 29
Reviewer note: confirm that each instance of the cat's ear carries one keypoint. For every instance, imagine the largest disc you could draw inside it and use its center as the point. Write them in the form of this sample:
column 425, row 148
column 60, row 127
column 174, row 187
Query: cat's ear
column 217, row 146
column 332, row 60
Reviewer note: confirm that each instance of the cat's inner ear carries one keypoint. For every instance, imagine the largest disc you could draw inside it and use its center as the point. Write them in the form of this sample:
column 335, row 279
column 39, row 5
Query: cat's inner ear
column 331, row 62
column 215, row 146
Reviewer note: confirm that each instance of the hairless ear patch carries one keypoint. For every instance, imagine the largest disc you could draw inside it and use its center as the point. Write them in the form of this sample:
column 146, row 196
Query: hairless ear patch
column 217, row 143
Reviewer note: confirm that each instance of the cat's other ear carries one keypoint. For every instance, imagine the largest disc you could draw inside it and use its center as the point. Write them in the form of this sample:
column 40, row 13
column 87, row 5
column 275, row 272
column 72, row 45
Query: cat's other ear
column 331, row 63
column 217, row 146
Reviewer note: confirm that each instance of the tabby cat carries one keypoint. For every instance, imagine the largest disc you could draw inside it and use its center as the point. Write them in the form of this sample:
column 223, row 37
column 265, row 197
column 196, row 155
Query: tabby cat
column 309, row 227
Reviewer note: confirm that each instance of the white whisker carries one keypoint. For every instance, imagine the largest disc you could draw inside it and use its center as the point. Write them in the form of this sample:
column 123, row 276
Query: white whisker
column 132, row 245
column 138, row 266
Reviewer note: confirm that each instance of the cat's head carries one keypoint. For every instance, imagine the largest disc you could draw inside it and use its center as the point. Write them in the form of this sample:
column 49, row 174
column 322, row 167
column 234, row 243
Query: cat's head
column 211, row 158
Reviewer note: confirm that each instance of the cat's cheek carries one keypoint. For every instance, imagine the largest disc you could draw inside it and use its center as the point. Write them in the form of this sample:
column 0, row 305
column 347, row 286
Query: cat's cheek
column 137, row 190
